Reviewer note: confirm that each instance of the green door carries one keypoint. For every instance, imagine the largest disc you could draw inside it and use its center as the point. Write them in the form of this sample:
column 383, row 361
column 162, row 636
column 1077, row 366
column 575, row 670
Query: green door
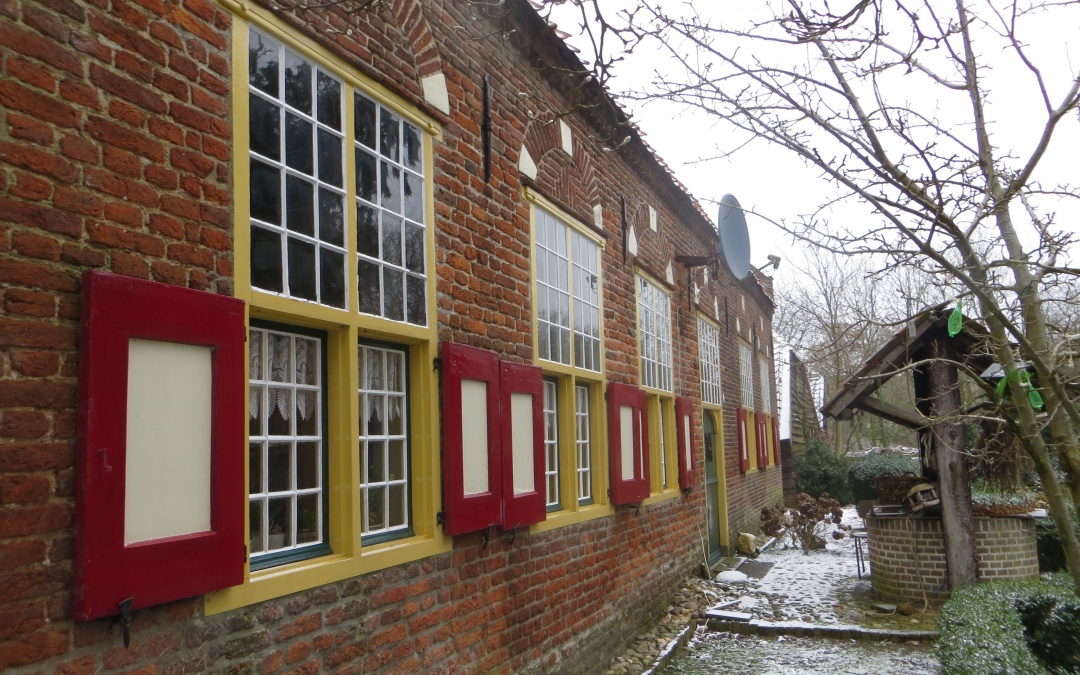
column 712, row 486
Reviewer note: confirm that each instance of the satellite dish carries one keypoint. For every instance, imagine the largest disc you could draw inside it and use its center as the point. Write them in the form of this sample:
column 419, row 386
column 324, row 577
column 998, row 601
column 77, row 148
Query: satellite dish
column 734, row 241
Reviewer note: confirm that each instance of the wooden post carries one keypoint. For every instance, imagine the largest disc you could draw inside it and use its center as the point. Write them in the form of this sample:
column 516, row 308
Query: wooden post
column 951, row 463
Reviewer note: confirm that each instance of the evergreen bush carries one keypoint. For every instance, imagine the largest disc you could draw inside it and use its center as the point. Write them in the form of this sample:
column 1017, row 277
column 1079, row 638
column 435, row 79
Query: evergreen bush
column 866, row 470
column 820, row 470
column 981, row 630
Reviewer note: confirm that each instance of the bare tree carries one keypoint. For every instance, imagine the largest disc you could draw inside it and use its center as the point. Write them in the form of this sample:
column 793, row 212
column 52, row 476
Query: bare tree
column 893, row 102
column 836, row 311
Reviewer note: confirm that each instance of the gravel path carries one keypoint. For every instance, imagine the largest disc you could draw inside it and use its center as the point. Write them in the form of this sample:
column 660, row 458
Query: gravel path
column 820, row 589
column 727, row 653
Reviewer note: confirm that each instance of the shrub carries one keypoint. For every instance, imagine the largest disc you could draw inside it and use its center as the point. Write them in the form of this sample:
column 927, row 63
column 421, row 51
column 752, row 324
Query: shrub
column 866, row 470
column 820, row 471
column 1051, row 631
column 981, row 631
column 806, row 523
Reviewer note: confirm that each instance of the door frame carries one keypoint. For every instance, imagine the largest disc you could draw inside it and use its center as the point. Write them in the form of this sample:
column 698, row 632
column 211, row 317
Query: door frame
column 716, row 414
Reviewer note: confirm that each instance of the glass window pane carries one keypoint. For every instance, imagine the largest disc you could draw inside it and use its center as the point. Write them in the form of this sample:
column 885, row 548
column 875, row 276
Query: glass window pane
column 414, row 198
column 263, row 63
column 396, row 516
column 266, row 259
column 307, row 413
column 376, row 416
column 391, row 187
column 389, row 130
column 256, row 511
column 299, row 205
column 375, row 377
column 394, row 301
column 416, row 291
column 281, row 519
column 256, row 410
column 279, row 412
column 264, row 127
column 370, row 290
column 330, row 170
column 301, row 269
column 279, row 467
column 265, row 193
column 395, row 371
column 332, row 277
column 307, row 519
column 414, row 248
column 364, row 121
column 397, row 460
column 329, row 101
column 255, row 468
column 331, row 217
column 306, row 360
column 395, row 421
column 413, row 147
column 376, row 462
column 307, row 466
column 297, row 83
column 391, row 239
column 367, row 231
column 366, row 179
column 298, row 148
column 376, row 508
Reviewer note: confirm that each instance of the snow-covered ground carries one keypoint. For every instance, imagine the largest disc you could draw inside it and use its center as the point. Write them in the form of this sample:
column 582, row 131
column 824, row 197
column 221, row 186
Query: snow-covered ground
column 730, row 654
column 820, row 589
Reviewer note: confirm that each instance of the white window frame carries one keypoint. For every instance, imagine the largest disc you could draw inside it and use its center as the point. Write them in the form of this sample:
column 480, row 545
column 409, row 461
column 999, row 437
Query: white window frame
column 746, row 374
column 391, row 482
column 567, row 273
column 709, row 359
column 766, row 398
column 583, row 442
column 654, row 331
column 552, row 474
column 263, row 404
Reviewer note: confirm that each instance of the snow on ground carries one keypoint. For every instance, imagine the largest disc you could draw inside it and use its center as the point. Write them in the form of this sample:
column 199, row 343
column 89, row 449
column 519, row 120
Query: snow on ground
column 810, row 587
column 731, row 654
column 822, row 588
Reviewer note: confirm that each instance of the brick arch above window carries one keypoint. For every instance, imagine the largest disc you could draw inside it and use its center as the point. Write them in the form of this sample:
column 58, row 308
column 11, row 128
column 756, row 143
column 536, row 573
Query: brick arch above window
column 570, row 179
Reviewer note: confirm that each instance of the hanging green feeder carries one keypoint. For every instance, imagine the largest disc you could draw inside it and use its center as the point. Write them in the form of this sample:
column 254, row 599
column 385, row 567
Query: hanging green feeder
column 956, row 319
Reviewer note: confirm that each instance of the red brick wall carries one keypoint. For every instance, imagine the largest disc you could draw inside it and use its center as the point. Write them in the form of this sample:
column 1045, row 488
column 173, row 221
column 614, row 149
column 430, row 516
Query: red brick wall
column 115, row 129
column 907, row 556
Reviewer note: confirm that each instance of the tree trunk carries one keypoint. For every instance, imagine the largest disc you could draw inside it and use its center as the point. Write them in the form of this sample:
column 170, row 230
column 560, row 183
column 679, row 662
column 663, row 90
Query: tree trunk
column 948, row 440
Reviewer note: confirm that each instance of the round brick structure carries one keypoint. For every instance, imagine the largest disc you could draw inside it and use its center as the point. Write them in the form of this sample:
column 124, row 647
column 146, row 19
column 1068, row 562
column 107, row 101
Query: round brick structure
column 907, row 555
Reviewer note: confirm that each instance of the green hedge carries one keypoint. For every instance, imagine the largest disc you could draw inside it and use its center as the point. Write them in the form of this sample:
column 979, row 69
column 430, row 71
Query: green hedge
column 981, row 632
column 866, row 470
column 821, row 470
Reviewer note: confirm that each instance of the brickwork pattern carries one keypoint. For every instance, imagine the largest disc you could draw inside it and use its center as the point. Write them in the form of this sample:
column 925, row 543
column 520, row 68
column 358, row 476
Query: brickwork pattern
column 907, row 555
column 115, row 154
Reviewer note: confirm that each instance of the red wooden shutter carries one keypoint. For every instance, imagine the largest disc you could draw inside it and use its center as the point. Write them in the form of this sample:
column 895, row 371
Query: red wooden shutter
column 629, row 465
column 742, row 430
column 684, row 420
column 776, row 441
column 472, row 495
column 762, row 440
column 522, row 417
column 123, row 552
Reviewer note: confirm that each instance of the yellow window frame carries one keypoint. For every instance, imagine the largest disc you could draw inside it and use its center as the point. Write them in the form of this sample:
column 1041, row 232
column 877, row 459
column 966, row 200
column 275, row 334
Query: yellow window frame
column 567, row 378
column 344, row 329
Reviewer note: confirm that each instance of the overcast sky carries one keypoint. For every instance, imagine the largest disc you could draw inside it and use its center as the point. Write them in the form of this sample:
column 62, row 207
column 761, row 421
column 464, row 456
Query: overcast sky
column 775, row 183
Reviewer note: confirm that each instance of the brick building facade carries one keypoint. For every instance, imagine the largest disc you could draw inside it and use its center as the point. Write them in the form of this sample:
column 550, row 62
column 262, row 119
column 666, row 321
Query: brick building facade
column 336, row 173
